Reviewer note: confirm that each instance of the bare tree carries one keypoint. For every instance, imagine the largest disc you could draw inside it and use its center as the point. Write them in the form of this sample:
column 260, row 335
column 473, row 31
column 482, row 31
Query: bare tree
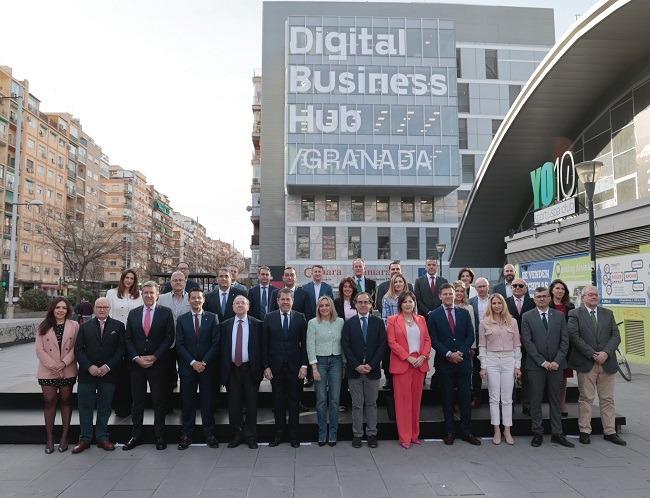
column 225, row 255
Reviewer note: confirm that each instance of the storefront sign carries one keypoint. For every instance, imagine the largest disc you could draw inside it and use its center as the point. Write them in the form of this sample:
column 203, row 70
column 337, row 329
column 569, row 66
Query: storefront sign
column 556, row 211
column 554, row 187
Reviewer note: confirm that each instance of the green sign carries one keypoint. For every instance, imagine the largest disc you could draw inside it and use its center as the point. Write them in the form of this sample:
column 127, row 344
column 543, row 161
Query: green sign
column 554, row 182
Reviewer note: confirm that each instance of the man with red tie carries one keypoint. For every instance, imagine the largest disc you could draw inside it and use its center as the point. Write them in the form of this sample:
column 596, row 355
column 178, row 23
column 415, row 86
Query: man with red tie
column 149, row 334
column 197, row 346
column 427, row 288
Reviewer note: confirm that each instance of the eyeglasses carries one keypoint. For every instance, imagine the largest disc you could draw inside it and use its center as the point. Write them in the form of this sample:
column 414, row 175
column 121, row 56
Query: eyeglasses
column 518, row 286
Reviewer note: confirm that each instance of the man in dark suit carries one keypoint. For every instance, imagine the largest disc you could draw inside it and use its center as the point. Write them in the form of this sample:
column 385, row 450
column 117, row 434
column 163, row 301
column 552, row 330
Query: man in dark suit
column 99, row 350
column 241, row 371
column 546, row 339
column 427, row 288
column 197, row 346
column 284, row 356
column 189, row 284
column 452, row 336
column 259, row 295
column 315, row 290
column 219, row 301
column 363, row 284
column 363, row 340
column 594, row 336
column 505, row 288
column 298, row 295
column 149, row 334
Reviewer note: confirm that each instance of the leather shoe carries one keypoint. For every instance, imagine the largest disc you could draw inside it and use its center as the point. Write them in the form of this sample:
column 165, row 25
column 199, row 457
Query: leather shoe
column 82, row 446
column 372, row 442
column 277, row 440
column 161, row 444
column 183, row 444
column 212, row 442
column 235, row 442
column 332, row 444
column 104, row 445
column 616, row 439
column 537, row 440
column 585, row 438
column 252, row 444
column 321, row 443
column 471, row 439
column 130, row 444
column 356, row 442
column 448, row 439
column 295, row 443
column 49, row 450
column 562, row 441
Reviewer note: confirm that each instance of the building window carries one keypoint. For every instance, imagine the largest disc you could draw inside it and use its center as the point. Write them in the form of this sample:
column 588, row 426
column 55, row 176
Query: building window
column 329, row 243
column 452, row 235
column 307, row 208
column 383, row 209
column 462, row 201
column 432, row 236
column 332, row 208
column 458, row 59
column 462, row 133
column 408, row 209
column 491, row 65
column 302, row 243
column 412, row 243
column 27, row 226
column 357, row 209
column 495, row 126
column 463, row 97
column 513, row 93
column 426, row 210
column 468, row 168
column 354, row 243
column 383, row 243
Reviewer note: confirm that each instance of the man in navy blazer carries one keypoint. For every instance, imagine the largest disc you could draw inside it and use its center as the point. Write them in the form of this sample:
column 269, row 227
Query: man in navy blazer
column 298, row 295
column 259, row 296
column 219, row 301
column 242, row 371
column 452, row 336
column 149, row 334
column 315, row 290
column 363, row 284
column 197, row 346
column 284, row 355
column 363, row 340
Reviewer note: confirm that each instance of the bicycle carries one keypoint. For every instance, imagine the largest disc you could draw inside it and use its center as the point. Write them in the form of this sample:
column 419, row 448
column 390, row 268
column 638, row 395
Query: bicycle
column 622, row 364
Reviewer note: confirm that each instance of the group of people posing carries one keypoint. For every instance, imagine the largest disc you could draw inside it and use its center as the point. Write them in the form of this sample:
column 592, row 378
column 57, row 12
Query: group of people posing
column 235, row 337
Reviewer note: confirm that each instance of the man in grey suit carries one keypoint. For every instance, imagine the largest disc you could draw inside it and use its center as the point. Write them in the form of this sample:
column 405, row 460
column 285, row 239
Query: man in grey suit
column 546, row 339
column 594, row 335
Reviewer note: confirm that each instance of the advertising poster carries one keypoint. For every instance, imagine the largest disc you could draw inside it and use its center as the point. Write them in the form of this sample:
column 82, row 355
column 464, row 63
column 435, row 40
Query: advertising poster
column 625, row 280
column 574, row 271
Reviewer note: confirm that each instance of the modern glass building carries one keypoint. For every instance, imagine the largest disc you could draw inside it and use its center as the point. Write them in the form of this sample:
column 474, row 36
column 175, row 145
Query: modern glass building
column 375, row 119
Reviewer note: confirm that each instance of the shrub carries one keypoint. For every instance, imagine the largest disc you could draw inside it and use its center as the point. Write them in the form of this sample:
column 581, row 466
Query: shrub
column 34, row 299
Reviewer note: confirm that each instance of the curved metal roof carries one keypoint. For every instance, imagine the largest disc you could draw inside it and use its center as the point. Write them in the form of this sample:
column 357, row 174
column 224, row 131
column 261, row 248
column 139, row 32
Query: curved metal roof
column 595, row 61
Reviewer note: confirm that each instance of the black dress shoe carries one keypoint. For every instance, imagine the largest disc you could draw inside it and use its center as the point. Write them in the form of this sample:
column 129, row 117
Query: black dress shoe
column 130, row 444
column 321, row 443
column 356, row 442
column 161, row 444
column 295, row 443
column 62, row 449
column 585, row 438
column 252, row 444
column 562, row 441
column 332, row 443
column 448, row 439
column 537, row 440
column 615, row 438
column 212, row 442
column 235, row 442
column 183, row 444
column 372, row 442
column 471, row 439
column 276, row 442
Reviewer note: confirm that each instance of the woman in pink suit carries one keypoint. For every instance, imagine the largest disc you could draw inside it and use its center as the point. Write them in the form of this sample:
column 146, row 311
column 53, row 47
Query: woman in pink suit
column 57, row 367
column 410, row 345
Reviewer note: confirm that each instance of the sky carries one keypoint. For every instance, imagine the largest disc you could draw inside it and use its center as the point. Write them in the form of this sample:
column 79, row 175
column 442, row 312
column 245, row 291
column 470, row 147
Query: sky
column 164, row 87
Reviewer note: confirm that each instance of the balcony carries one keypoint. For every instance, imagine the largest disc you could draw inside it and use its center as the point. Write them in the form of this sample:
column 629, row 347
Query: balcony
column 4, row 139
column 71, row 192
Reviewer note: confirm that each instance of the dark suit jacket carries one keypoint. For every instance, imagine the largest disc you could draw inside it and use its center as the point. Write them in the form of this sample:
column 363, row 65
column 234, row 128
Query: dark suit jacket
column 299, row 300
column 310, row 298
column 426, row 300
column 256, row 367
column 357, row 352
column 255, row 298
column 370, row 287
column 586, row 341
column 189, row 285
column 340, row 309
column 93, row 349
column 188, row 347
column 382, row 288
column 527, row 305
column 500, row 288
column 443, row 341
column 213, row 302
column 541, row 344
column 278, row 350
column 160, row 337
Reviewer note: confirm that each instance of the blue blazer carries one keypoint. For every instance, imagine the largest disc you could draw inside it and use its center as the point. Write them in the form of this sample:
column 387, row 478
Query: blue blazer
column 356, row 350
column 278, row 350
column 299, row 300
column 310, row 302
column 255, row 300
column 444, row 341
column 254, row 350
column 189, row 347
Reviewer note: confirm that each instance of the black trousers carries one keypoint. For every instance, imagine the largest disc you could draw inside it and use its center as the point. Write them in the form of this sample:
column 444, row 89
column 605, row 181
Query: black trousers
column 456, row 375
column 155, row 375
column 190, row 381
column 171, row 378
column 122, row 399
column 285, row 384
column 243, row 391
column 476, row 376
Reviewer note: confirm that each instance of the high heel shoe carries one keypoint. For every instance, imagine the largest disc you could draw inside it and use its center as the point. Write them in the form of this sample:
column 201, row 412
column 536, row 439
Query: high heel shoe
column 49, row 449
column 509, row 439
column 497, row 439
column 62, row 449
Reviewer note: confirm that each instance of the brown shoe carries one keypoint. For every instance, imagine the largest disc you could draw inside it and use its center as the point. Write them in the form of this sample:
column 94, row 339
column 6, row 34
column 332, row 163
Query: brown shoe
column 106, row 445
column 82, row 446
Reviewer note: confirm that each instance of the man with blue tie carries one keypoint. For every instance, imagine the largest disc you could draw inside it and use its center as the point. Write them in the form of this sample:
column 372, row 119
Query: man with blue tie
column 284, row 355
column 219, row 301
column 452, row 336
column 197, row 345
column 315, row 290
column 363, row 284
column 298, row 295
column 259, row 295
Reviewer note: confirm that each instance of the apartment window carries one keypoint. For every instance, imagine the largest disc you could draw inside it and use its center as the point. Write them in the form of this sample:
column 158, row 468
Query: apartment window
column 307, row 208
column 491, row 65
column 468, row 168
column 462, row 133
column 332, row 208
column 426, row 210
column 31, row 144
column 432, row 236
column 496, row 123
column 27, row 226
column 113, row 263
column 458, row 60
column 113, row 224
column 412, row 243
column 383, row 243
column 26, row 248
column 357, row 209
column 408, row 209
column 302, row 243
column 463, row 97
column 57, row 271
column 29, row 166
column 462, row 201
column 354, row 243
column 383, row 209
column 329, row 243
column 42, row 152
column 40, row 169
column 513, row 93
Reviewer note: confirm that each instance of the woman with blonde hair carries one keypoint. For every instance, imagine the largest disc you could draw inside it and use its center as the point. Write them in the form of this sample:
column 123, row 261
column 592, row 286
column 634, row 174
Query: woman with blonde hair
column 326, row 360
column 389, row 307
column 460, row 301
column 500, row 355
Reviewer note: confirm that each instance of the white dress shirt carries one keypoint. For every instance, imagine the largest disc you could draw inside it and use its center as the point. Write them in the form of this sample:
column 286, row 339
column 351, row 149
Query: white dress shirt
column 508, row 290
column 316, row 290
column 244, row 343
column 482, row 306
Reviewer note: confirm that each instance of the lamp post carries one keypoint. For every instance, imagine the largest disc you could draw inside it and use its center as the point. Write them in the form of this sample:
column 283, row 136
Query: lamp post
column 589, row 172
column 440, row 249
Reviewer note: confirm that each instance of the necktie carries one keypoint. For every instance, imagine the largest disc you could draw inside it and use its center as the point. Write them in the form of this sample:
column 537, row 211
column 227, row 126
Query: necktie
column 450, row 319
column 545, row 321
column 359, row 286
column 593, row 318
column 364, row 328
column 197, row 327
column 519, row 306
column 265, row 299
column 433, row 285
column 224, row 301
column 285, row 324
column 101, row 329
column 147, row 321
column 238, row 343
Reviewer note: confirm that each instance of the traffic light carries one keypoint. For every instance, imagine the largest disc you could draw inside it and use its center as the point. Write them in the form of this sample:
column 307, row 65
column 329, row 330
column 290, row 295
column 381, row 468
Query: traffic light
column 5, row 279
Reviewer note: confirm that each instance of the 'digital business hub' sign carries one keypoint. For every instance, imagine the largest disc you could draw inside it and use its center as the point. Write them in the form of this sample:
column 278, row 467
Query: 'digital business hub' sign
column 554, row 188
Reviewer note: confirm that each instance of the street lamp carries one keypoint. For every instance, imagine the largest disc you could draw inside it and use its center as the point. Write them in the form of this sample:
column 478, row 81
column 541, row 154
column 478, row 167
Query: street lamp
column 589, row 172
column 440, row 249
